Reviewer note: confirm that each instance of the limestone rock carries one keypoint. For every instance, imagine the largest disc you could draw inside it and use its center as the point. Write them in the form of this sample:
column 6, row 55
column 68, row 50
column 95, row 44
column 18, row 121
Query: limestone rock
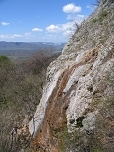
column 82, row 74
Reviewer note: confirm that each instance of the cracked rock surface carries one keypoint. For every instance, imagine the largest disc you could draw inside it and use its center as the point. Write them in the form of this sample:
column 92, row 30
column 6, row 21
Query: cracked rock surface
column 77, row 82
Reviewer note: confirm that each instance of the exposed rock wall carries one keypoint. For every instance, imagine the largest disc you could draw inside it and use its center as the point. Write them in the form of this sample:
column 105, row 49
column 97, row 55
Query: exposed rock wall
column 79, row 77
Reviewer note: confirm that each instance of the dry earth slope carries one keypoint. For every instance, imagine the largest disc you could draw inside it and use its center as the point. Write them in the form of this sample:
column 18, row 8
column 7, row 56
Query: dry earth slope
column 76, row 111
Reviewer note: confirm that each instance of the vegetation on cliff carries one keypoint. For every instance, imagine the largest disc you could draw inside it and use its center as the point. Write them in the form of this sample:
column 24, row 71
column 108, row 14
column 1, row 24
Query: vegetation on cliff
column 77, row 106
column 21, row 87
column 76, row 111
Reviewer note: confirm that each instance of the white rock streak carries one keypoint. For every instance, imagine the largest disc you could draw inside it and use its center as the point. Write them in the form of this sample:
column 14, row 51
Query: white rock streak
column 40, row 112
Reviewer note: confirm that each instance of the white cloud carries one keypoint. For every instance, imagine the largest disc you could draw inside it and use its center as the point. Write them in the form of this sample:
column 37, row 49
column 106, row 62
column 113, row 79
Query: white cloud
column 78, row 17
column 37, row 30
column 66, row 26
column 49, row 37
column 27, row 34
column 91, row 7
column 88, row 6
column 15, row 36
column 71, row 8
column 3, row 36
column 5, row 23
column 53, row 28
column 61, row 27
column 68, row 33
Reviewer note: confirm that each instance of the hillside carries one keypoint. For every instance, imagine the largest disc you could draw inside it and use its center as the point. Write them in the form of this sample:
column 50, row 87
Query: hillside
column 76, row 111
column 21, row 86
column 20, row 51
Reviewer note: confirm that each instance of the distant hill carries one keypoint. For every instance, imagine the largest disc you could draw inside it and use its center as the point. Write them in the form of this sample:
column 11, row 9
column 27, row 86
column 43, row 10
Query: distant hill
column 23, row 50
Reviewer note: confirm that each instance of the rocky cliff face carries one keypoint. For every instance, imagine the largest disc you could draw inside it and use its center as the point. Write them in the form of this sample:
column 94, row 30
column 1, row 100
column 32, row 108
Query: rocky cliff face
column 79, row 92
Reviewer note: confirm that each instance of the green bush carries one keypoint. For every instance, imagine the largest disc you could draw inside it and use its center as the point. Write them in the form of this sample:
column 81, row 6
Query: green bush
column 3, row 58
column 94, row 20
column 102, row 15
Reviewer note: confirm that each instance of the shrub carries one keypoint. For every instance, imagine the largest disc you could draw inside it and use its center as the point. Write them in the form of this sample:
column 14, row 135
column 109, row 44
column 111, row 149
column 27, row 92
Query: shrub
column 3, row 58
column 20, row 92
column 102, row 15
column 94, row 20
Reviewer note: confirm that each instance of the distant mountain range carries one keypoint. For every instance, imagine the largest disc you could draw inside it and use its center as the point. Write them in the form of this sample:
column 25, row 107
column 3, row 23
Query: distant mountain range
column 24, row 50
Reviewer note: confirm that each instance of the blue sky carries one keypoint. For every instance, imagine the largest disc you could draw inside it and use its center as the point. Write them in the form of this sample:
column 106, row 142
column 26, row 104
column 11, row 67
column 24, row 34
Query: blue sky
column 41, row 20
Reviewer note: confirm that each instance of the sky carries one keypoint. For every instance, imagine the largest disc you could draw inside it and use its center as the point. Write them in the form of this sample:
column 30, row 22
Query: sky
column 41, row 20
